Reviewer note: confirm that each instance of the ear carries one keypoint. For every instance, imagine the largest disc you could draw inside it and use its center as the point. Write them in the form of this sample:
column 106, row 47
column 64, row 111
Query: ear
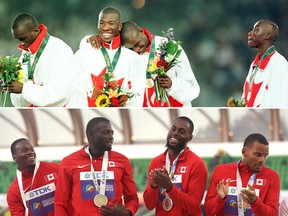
column 14, row 158
column 190, row 137
column 120, row 27
column 244, row 151
column 268, row 36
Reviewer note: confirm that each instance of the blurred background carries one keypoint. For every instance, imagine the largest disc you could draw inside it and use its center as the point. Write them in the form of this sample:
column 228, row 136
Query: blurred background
column 140, row 134
column 213, row 32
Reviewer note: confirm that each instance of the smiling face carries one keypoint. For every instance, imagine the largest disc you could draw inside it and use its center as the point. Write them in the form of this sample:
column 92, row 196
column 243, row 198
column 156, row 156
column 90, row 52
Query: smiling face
column 179, row 135
column 24, row 155
column 109, row 26
column 255, row 155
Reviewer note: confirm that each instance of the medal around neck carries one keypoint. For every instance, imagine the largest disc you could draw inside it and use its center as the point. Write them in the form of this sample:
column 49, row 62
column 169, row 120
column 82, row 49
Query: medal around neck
column 149, row 83
column 167, row 204
column 100, row 200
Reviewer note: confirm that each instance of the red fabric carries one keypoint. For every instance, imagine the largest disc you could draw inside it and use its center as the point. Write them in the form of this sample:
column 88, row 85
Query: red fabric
column 268, row 200
column 14, row 199
column 188, row 200
column 69, row 189
column 36, row 44
column 148, row 100
column 149, row 36
column 114, row 44
column 254, row 92
column 256, row 87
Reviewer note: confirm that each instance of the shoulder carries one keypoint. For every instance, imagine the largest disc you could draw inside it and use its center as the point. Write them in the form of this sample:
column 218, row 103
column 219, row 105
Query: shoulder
column 75, row 157
column 13, row 186
column 279, row 57
column 225, row 167
column 269, row 172
column 129, row 52
column 58, row 42
column 52, row 165
column 113, row 155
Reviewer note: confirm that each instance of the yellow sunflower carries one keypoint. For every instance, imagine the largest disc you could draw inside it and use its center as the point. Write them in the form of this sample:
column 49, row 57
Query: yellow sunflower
column 102, row 101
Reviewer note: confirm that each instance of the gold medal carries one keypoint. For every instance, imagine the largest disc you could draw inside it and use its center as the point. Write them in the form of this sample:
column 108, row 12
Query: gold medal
column 149, row 83
column 167, row 203
column 100, row 200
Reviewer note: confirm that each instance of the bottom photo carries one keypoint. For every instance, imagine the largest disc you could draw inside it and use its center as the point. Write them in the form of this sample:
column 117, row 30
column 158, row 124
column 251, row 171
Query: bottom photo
column 144, row 162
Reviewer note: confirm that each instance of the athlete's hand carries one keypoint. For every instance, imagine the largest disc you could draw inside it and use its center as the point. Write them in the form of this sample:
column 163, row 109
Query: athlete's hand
column 162, row 179
column 249, row 196
column 14, row 87
column 152, row 175
column 164, row 81
column 94, row 42
column 114, row 209
column 222, row 188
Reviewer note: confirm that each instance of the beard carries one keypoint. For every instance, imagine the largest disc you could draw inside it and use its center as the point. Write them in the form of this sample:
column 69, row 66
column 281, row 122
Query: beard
column 181, row 145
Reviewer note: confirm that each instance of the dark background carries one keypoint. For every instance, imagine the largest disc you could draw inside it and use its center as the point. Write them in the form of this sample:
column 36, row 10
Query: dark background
column 213, row 32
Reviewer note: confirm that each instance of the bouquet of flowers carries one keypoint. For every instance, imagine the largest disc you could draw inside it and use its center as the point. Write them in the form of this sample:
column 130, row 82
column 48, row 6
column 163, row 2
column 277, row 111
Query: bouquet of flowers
column 167, row 57
column 112, row 94
column 10, row 71
column 235, row 103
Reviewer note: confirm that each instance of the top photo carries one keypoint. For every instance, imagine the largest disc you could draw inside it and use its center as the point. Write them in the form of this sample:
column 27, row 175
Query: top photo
column 143, row 54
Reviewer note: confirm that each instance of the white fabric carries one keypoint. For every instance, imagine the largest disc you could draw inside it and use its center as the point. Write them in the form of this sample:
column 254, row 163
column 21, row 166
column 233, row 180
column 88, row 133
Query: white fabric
column 185, row 87
column 91, row 61
column 54, row 77
column 275, row 76
column 283, row 208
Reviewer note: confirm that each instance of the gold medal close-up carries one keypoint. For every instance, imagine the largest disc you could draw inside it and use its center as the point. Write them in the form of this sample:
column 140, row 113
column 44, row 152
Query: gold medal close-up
column 100, row 200
column 149, row 83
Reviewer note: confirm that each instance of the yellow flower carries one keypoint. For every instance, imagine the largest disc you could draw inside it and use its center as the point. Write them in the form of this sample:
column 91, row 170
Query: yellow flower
column 112, row 93
column 153, row 64
column 20, row 76
column 102, row 101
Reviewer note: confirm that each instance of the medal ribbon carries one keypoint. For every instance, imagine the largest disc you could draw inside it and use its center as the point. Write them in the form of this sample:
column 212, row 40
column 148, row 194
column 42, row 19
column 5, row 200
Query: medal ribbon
column 20, row 184
column 255, row 70
column 151, row 56
column 241, row 204
column 173, row 167
column 31, row 69
column 103, row 171
column 111, row 66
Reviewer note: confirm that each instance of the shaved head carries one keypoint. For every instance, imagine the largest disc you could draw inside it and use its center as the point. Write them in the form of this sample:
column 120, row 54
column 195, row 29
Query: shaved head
column 24, row 20
column 271, row 28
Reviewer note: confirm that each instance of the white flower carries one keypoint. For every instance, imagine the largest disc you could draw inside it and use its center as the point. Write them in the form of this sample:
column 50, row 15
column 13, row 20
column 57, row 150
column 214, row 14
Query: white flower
column 169, row 58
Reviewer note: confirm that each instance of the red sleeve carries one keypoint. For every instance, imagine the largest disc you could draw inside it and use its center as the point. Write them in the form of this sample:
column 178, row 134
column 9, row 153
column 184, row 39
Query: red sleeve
column 191, row 200
column 213, row 205
column 14, row 200
column 129, row 189
column 269, row 206
column 150, row 195
column 63, row 193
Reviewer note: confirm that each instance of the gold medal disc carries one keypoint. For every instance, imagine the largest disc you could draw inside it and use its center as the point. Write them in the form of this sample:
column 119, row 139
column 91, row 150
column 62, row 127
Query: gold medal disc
column 100, row 200
column 149, row 83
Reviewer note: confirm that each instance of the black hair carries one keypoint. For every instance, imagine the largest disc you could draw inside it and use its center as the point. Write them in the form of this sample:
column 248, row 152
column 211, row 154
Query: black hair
column 26, row 20
column 250, row 139
column 93, row 122
column 190, row 122
column 14, row 144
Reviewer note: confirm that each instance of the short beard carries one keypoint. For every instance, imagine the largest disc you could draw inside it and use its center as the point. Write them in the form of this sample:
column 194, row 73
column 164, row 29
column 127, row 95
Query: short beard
column 181, row 145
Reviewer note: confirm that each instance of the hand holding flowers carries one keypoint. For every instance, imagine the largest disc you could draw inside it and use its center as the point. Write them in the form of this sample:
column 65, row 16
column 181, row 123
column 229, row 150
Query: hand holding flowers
column 10, row 72
column 168, row 52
